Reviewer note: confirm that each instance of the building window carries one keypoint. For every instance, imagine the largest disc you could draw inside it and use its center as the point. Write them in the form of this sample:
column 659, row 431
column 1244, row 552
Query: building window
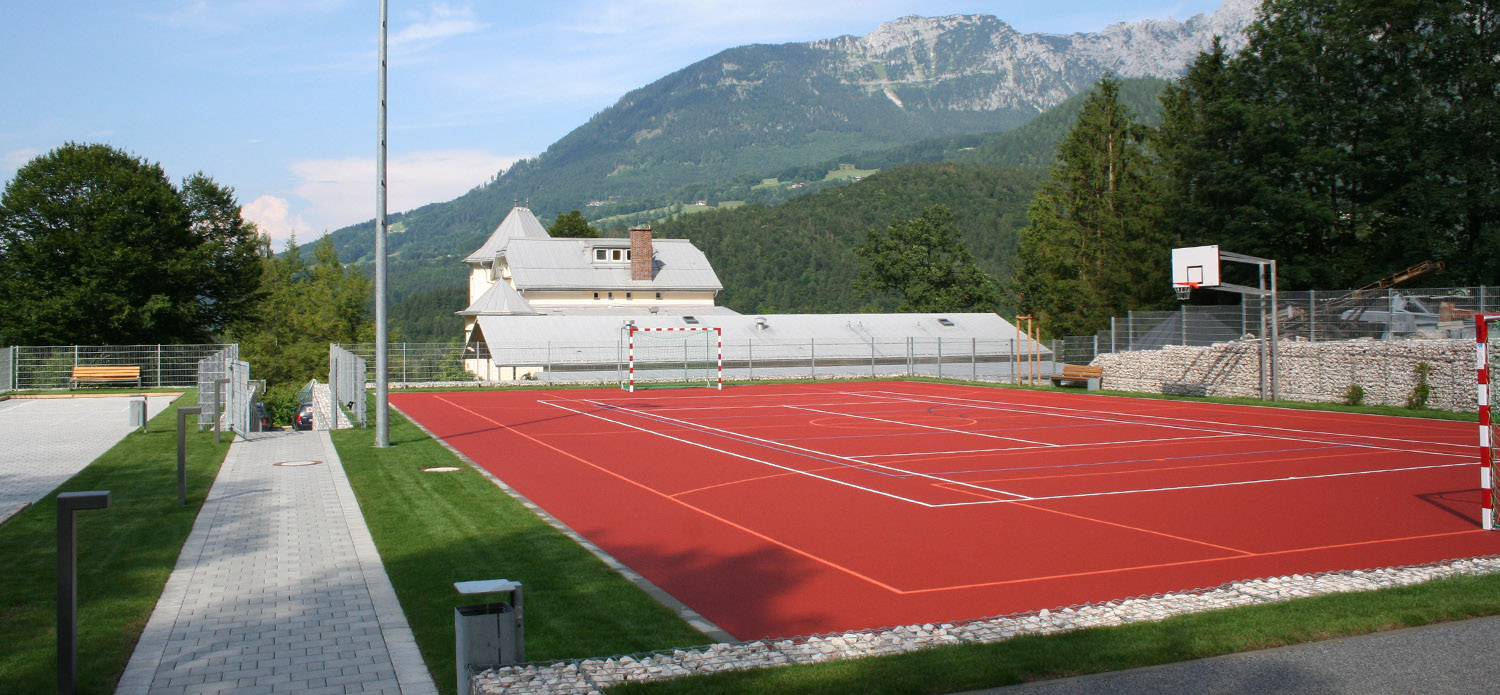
column 611, row 296
column 601, row 254
column 627, row 296
column 658, row 295
column 596, row 296
column 619, row 254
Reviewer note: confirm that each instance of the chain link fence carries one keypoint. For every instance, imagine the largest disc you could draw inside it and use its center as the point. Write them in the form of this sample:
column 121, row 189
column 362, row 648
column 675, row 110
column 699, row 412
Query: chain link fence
column 226, row 391
column 7, row 369
column 347, row 378
column 162, row 366
column 1311, row 316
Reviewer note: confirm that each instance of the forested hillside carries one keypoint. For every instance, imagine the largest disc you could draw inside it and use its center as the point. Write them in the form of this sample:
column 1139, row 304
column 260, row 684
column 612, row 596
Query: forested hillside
column 987, row 185
column 798, row 256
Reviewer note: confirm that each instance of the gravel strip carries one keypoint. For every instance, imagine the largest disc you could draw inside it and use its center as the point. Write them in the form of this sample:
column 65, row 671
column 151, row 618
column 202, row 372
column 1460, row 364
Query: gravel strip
column 591, row 676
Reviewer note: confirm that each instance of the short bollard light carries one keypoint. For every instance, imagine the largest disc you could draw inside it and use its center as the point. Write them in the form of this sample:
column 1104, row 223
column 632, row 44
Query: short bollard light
column 67, row 582
column 182, row 414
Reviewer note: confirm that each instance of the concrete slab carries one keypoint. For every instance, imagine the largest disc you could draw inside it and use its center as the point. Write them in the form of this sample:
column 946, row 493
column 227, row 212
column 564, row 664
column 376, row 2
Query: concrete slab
column 48, row 440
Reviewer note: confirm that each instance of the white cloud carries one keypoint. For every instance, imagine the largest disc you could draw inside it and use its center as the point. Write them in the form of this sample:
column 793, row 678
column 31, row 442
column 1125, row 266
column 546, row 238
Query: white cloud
column 341, row 192
column 15, row 159
column 441, row 23
column 273, row 216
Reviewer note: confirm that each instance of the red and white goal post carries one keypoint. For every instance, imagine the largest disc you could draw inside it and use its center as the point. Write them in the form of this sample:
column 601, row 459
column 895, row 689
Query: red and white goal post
column 1486, row 336
column 673, row 357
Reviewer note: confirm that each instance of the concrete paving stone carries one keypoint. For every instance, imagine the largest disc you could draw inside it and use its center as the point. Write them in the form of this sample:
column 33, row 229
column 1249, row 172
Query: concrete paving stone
column 279, row 583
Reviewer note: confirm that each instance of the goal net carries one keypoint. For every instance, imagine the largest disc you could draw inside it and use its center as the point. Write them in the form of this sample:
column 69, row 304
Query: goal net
column 671, row 357
column 1487, row 333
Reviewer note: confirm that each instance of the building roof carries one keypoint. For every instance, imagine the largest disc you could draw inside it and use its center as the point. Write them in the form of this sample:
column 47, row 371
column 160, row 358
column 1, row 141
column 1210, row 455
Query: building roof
column 520, row 223
column 568, row 264
column 500, row 298
column 831, row 332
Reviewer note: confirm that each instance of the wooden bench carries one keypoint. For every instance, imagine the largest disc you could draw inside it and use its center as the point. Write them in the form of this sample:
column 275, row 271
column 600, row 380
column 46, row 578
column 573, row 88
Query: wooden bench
column 1079, row 373
column 105, row 375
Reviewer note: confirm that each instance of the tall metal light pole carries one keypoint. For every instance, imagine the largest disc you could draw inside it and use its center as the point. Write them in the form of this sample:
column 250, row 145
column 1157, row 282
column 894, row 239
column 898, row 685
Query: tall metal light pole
column 382, row 393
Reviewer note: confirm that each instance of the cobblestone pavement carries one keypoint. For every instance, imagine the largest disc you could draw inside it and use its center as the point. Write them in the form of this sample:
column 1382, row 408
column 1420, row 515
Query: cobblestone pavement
column 36, row 458
column 278, row 588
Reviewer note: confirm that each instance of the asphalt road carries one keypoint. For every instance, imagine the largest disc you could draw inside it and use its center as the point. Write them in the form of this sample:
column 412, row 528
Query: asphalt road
column 1455, row 657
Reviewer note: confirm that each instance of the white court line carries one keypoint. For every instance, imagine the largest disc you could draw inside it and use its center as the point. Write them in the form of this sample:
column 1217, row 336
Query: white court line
column 783, row 446
column 731, row 453
column 1203, row 422
column 1097, row 416
column 1046, row 446
column 1107, row 493
column 925, row 427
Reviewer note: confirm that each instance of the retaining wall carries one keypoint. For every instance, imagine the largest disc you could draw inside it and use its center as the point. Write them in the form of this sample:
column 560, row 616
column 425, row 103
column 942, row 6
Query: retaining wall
column 1313, row 372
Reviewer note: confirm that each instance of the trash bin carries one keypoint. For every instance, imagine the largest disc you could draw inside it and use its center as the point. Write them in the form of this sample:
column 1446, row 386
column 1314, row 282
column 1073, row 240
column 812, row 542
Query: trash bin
column 138, row 414
column 487, row 635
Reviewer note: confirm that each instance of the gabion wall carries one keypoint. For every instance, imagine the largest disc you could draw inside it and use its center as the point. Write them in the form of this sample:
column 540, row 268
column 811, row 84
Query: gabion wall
column 1312, row 372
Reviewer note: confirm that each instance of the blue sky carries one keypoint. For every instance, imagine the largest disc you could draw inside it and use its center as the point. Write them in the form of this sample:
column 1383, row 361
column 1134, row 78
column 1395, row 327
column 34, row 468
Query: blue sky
column 276, row 97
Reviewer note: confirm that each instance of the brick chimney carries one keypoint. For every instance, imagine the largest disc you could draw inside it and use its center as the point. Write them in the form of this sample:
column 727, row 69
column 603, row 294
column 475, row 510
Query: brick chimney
column 640, row 253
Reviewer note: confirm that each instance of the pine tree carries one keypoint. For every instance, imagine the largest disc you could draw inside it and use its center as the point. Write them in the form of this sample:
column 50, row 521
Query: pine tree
column 1093, row 247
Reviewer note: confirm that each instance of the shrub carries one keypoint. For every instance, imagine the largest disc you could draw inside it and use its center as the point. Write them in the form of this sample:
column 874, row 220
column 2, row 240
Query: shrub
column 1417, row 399
column 1354, row 395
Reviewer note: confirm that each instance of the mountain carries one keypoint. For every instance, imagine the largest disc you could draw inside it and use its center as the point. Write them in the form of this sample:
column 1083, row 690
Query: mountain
column 716, row 127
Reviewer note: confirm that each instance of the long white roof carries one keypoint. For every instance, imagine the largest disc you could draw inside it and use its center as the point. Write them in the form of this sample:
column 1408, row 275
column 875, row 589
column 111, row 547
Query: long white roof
column 519, row 224
column 825, row 329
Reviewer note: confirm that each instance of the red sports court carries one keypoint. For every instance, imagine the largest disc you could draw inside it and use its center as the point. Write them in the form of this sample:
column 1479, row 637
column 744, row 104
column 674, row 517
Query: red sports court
column 779, row 510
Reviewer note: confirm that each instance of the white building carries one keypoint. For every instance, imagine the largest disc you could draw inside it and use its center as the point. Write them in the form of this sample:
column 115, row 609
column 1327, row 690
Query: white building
column 535, row 300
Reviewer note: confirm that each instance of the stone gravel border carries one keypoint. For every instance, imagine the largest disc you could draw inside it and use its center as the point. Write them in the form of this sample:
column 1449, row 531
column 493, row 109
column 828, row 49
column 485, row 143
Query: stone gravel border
column 591, row 676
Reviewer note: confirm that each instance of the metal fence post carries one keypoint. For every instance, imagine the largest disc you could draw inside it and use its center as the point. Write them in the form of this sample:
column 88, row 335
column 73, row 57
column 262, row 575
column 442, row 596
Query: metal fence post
column 750, row 352
column 1312, row 316
column 973, row 359
column 1015, row 364
column 940, row 357
column 1130, row 330
column 549, row 363
column 812, row 351
column 872, row 358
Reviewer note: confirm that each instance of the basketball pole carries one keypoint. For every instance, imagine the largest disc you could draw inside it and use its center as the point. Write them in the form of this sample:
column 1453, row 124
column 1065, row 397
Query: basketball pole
column 382, row 376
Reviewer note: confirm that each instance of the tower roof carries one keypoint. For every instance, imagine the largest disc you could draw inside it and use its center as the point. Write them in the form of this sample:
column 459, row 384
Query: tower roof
column 519, row 224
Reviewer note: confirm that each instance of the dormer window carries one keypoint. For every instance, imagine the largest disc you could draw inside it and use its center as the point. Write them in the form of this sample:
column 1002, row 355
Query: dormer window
column 604, row 255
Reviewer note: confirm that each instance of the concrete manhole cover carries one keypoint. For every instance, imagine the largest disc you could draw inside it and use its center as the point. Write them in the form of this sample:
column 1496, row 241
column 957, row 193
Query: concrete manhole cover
column 441, row 469
column 307, row 462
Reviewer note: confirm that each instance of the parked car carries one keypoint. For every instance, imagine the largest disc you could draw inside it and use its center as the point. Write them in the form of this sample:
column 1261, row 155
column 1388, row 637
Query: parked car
column 303, row 420
column 260, row 421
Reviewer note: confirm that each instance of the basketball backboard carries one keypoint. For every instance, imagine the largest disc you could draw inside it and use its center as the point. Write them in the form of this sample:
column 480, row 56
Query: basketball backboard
column 1196, row 265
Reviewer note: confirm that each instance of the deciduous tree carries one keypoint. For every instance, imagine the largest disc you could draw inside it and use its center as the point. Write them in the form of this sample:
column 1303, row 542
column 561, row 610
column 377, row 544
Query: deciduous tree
column 925, row 261
column 98, row 247
column 572, row 224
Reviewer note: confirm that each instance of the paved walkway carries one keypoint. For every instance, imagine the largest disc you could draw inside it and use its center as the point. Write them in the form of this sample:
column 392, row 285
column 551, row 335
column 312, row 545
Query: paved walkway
column 279, row 588
column 1455, row 657
column 35, row 460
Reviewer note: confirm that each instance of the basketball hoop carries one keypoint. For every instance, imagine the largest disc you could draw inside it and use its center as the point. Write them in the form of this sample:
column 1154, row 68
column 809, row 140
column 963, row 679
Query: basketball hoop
column 1184, row 290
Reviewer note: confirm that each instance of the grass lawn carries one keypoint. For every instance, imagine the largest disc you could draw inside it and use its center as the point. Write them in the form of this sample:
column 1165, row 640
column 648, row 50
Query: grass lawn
column 433, row 529
column 125, row 554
